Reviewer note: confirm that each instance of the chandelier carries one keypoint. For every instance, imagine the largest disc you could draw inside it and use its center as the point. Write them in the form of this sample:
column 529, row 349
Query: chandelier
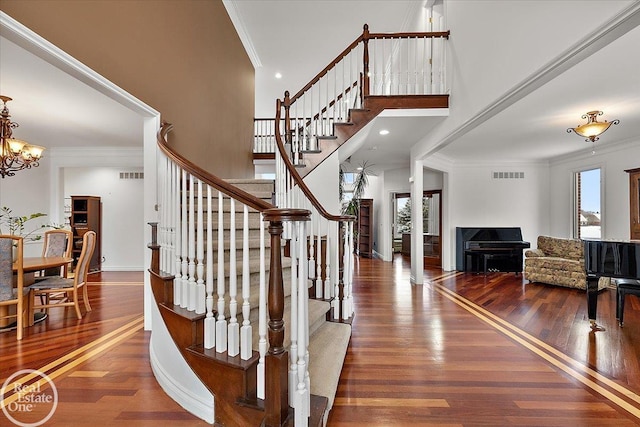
column 593, row 128
column 15, row 154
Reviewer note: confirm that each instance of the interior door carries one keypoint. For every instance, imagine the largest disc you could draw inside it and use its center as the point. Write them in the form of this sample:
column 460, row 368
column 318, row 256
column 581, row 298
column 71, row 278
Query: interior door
column 634, row 203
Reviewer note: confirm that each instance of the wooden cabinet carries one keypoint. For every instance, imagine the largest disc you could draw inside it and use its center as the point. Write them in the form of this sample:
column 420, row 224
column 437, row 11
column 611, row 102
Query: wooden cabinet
column 86, row 215
column 365, row 228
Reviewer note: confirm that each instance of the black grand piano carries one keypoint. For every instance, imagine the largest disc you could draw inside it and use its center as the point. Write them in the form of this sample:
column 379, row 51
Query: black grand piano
column 489, row 249
column 610, row 259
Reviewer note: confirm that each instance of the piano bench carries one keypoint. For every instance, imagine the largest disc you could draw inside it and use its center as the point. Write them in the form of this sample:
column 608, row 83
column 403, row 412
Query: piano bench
column 624, row 287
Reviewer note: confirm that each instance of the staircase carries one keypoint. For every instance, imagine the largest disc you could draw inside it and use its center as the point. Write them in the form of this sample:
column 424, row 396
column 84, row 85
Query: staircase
column 253, row 279
column 234, row 380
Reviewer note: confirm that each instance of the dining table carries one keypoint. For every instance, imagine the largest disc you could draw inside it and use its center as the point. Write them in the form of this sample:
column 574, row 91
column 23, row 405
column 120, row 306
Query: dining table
column 31, row 265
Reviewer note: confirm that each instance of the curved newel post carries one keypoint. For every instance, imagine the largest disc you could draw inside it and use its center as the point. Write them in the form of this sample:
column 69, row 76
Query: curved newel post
column 276, row 362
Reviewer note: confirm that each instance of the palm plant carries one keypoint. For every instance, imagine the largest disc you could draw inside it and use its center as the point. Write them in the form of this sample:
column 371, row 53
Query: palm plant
column 360, row 182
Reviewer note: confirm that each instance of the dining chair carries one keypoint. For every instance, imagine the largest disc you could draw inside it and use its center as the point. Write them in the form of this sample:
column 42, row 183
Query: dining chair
column 57, row 242
column 70, row 287
column 9, row 294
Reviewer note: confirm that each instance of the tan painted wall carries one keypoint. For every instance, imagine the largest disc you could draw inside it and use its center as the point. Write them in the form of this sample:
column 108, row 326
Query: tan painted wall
column 181, row 57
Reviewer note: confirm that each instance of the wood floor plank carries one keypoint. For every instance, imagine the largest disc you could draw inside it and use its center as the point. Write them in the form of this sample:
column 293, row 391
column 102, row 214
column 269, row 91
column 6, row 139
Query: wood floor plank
column 447, row 353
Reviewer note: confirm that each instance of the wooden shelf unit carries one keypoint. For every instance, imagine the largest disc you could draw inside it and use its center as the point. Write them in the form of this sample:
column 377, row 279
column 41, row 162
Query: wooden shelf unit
column 86, row 215
column 365, row 228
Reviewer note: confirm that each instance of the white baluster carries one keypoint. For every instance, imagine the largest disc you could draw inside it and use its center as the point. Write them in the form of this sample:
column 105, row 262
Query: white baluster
column 302, row 392
column 233, row 337
column 349, row 271
column 177, row 282
column 246, row 348
column 262, row 315
column 336, row 273
column 345, row 269
column 328, row 289
column 200, row 294
column 319, row 256
column 209, row 321
column 163, row 166
column 312, row 261
column 172, row 221
column 221, row 323
column 191, row 299
column 293, row 349
column 184, row 297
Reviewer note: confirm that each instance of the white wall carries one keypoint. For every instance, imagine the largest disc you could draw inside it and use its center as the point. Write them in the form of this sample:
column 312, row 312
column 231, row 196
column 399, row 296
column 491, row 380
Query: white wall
column 323, row 182
column 122, row 212
column 478, row 200
column 389, row 182
column 25, row 193
column 613, row 160
column 480, row 77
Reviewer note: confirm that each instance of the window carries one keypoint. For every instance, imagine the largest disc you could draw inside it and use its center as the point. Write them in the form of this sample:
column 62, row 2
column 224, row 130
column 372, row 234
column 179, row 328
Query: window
column 588, row 213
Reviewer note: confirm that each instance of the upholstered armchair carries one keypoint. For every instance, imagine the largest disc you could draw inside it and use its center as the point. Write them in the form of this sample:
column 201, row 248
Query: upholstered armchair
column 560, row 262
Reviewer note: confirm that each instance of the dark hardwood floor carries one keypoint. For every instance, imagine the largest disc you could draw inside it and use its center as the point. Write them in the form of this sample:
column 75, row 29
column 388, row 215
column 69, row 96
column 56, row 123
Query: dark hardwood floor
column 462, row 349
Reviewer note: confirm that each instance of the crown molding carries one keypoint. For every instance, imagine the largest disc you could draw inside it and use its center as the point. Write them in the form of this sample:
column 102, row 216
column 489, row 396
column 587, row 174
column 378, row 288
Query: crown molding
column 243, row 34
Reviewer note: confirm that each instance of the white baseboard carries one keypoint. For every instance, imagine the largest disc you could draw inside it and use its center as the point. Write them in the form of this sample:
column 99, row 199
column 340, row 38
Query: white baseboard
column 189, row 401
column 116, row 268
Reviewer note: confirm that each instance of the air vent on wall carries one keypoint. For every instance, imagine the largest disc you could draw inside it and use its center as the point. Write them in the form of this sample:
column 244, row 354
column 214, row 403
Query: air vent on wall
column 131, row 175
column 508, row 175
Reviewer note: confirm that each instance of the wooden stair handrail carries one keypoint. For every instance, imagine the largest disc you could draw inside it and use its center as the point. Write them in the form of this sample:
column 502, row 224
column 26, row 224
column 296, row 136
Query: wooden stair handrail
column 365, row 36
column 429, row 34
column 326, row 69
column 294, row 173
column 206, row 177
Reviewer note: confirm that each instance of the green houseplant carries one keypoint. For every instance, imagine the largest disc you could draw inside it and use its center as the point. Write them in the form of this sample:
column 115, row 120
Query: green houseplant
column 17, row 225
column 360, row 182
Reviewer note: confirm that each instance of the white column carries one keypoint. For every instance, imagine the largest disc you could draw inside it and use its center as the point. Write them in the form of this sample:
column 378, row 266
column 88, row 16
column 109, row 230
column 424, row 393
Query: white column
column 417, row 239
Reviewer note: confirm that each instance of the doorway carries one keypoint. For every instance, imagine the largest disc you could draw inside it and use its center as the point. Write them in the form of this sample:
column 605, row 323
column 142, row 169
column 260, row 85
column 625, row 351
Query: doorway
column 432, row 228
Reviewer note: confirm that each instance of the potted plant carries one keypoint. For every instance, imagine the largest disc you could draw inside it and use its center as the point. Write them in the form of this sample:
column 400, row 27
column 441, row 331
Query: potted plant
column 352, row 207
column 16, row 225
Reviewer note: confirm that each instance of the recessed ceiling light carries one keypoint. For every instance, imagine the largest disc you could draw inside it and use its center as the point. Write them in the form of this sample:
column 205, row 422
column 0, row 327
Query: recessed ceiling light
column 359, row 168
column 278, row 76
column 384, row 132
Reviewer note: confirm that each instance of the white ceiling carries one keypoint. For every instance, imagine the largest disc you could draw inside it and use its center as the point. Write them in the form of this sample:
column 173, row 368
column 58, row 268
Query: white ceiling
column 532, row 129
column 56, row 110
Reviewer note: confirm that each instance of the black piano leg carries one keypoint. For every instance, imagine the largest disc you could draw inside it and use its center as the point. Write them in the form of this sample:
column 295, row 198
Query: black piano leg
column 592, row 302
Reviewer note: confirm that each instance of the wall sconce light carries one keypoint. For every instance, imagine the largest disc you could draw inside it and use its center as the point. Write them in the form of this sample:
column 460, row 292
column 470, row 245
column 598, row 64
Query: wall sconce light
column 593, row 128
